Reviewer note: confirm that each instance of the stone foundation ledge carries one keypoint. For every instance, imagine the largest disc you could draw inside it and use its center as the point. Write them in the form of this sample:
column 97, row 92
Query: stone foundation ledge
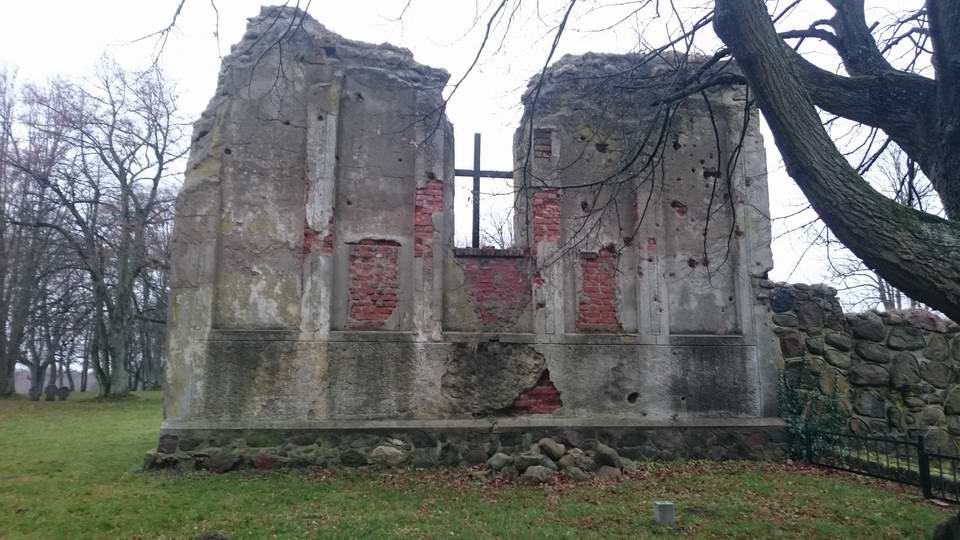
column 511, row 450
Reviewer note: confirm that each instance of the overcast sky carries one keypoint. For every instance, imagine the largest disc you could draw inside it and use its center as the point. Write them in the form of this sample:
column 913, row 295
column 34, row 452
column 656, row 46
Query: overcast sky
column 46, row 38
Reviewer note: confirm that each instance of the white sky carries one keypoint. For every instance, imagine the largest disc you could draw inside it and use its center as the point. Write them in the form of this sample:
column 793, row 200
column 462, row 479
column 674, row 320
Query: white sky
column 46, row 38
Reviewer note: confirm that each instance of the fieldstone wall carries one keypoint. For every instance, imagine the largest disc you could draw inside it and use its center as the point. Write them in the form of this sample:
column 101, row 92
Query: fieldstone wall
column 895, row 373
column 579, row 453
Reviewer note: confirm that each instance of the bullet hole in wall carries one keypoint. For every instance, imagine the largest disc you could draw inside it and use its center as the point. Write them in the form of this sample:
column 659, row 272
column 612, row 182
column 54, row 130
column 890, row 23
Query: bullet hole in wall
column 679, row 208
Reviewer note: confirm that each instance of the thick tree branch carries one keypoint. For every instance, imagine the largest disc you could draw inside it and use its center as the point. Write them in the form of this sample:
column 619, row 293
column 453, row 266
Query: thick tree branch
column 917, row 252
column 855, row 43
column 895, row 102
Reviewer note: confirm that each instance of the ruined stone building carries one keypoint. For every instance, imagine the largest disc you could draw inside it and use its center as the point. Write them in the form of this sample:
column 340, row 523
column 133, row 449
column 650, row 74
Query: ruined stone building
column 318, row 299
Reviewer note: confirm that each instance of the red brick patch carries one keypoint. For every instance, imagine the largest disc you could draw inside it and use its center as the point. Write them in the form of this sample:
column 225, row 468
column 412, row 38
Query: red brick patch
column 311, row 237
column 429, row 200
column 546, row 216
column 542, row 398
column 374, row 282
column 499, row 288
column 328, row 239
column 597, row 295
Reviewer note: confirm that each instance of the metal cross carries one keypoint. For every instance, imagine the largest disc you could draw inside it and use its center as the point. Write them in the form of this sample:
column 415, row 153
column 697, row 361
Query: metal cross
column 477, row 174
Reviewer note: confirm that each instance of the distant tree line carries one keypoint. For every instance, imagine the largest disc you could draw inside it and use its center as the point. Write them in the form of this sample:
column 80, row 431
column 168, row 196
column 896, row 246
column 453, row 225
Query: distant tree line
column 88, row 176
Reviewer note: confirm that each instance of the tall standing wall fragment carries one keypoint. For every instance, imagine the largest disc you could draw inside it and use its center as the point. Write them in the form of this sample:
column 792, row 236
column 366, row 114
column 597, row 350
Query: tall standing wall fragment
column 318, row 301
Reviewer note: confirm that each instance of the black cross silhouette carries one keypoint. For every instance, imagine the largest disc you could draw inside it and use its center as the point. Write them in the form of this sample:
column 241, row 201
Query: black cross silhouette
column 477, row 174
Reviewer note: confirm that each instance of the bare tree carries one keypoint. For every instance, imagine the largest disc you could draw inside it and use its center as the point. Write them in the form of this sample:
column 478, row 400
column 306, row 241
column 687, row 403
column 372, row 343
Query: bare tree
column 24, row 255
column 116, row 141
column 496, row 228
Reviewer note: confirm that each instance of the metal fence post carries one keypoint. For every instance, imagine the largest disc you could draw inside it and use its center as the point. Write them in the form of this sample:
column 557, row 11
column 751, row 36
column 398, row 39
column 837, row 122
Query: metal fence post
column 923, row 463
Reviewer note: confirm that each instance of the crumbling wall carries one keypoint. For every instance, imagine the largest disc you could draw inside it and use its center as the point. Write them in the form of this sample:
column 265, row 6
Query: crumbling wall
column 638, row 216
column 894, row 373
column 317, row 292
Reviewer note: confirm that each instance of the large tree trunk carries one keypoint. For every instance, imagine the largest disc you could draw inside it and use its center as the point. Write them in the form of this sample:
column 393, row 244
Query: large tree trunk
column 916, row 252
column 944, row 173
column 7, row 379
column 119, row 378
column 36, row 380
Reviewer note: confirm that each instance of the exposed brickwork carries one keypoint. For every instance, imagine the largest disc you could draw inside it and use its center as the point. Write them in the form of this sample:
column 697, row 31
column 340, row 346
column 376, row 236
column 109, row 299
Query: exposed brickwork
column 329, row 238
column 652, row 244
column 488, row 252
column 374, row 282
column 543, row 398
column 597, row 294
column 680, row 208
column 546, row 216
column 429, row 200
column 542, row 143
column 311, row 238
column 499, row 288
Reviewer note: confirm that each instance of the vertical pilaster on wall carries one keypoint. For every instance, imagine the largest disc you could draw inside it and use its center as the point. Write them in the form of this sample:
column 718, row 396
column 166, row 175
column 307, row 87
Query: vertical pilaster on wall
column 753, row 225
column 192, row 280
column 319, row 195
column 651, row 291
column 433, row 217
column 543, row 229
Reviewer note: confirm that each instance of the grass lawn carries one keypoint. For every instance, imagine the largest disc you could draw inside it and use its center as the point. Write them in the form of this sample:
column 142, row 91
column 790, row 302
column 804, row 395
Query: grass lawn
column 71, row 470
